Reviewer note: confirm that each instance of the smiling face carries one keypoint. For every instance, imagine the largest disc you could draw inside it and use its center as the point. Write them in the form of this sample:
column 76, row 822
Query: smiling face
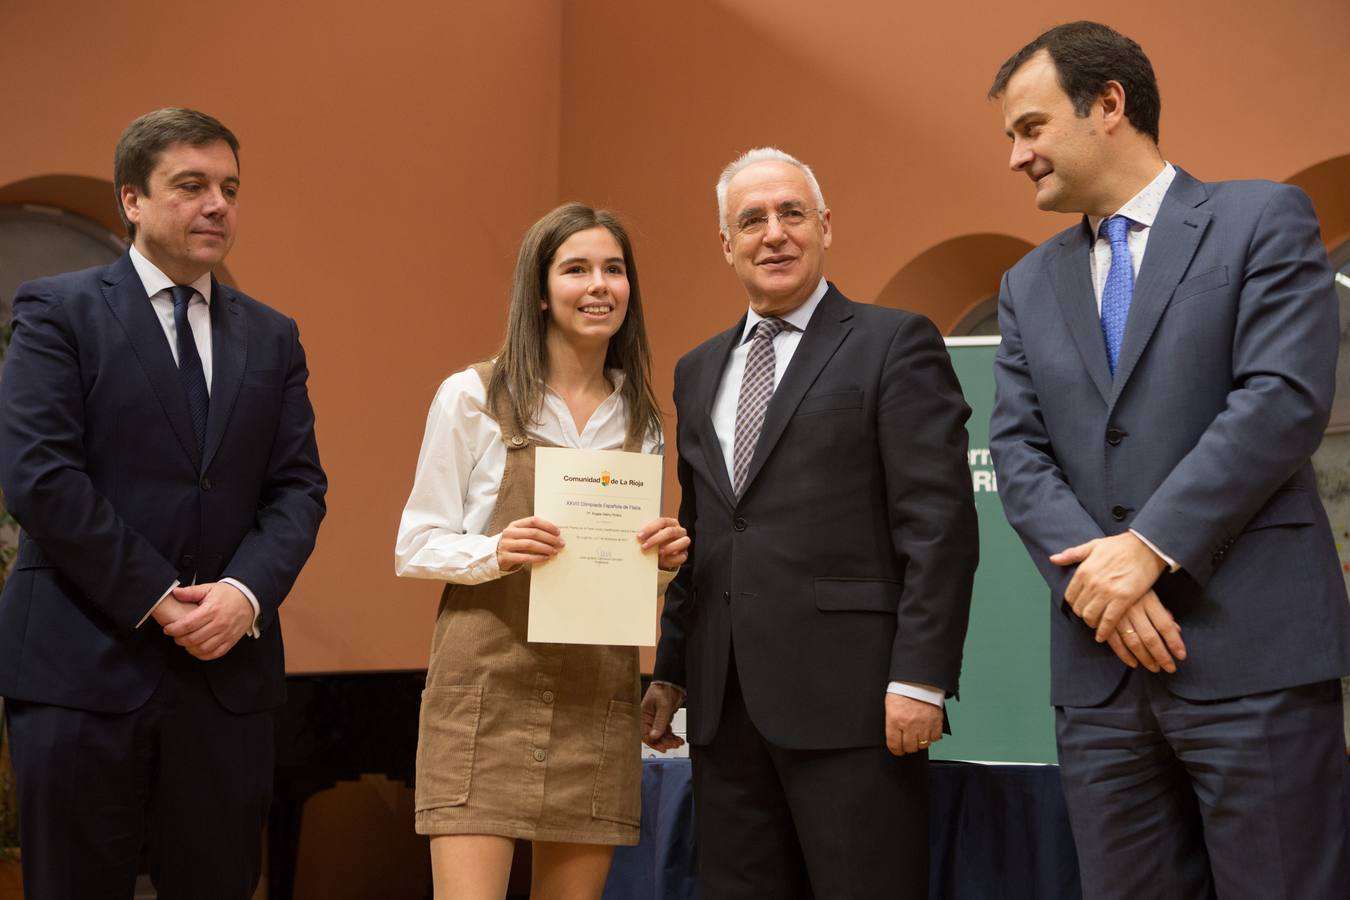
column 779, row 265
column 587, row 288
column 185, row 222
column 1063, row 154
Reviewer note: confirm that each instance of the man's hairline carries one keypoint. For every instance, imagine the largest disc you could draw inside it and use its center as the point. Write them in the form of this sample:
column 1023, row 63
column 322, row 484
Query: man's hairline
column 816, row 194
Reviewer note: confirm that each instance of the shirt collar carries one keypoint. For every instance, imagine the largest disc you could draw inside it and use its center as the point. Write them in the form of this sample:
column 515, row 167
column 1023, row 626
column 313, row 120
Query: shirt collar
column 1143, row 207
column 155, row 281
column 798, row 318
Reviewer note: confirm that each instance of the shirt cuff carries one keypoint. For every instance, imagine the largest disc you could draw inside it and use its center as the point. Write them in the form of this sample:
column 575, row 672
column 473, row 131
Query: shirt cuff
column 916, row 692
column 151, row 611
column 254, row 631
column 663, row 579
column 1172, row 564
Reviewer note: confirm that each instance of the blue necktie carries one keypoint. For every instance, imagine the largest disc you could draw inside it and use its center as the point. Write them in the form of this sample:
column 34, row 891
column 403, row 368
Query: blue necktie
column 1119, row 287
column 190, row 363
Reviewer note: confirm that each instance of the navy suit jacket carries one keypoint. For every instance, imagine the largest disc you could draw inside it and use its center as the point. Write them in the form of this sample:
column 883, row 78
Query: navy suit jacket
column 1201, row 442
column 847, row 561
column 100, row 467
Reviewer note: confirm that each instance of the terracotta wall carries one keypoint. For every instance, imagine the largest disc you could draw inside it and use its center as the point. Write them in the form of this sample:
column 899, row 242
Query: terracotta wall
column 394, row 152
column 392, row 155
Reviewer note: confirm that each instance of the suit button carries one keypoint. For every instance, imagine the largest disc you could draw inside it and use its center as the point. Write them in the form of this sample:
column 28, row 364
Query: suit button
column 517, row 441
column 1118, row 513
column 726, row 595
column 205, row 483
column 1113, row 436
column 740, row 524
column 539, row 755
column 547, row 696
column 187, row 560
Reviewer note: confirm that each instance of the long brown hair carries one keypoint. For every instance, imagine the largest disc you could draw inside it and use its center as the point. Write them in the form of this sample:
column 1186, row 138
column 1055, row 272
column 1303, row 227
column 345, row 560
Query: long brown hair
column 518, row 376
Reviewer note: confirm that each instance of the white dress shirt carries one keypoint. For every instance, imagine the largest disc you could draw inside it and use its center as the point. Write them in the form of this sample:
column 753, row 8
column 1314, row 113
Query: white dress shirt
column 1141, row 210
column 728, row 395
column 443, row 533
column 157, row 286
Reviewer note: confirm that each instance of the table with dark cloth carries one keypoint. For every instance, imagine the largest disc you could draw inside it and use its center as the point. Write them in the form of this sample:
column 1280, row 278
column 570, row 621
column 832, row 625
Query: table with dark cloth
column 997, row 832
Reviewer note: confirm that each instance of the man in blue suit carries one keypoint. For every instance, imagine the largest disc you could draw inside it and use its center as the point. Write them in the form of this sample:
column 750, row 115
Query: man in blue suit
column 1165, row 373
column 157, row 448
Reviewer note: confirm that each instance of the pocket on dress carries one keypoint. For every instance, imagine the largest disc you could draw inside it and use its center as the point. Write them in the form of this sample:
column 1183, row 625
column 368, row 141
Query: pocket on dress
column 446, row 734
column 618, row 777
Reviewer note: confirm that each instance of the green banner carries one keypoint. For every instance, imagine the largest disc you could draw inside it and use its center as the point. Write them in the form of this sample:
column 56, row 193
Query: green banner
column 1004, row 713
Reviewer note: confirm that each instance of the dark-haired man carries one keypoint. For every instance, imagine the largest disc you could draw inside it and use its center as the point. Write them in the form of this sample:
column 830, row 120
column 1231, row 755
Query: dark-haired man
column 157, row 447
column 1165, row 373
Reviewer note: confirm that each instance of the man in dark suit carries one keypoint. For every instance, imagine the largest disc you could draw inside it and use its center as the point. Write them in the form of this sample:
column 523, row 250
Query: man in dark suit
column 819, row 622
column 1165, row 373
column 157, row 448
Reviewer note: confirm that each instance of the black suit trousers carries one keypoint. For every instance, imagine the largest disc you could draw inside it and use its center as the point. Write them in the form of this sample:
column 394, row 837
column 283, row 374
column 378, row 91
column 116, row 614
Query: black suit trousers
column 843, row 824
column 180, row 774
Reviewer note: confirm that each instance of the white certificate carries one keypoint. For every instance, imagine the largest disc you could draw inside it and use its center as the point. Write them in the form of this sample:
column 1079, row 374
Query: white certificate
column 601, row 587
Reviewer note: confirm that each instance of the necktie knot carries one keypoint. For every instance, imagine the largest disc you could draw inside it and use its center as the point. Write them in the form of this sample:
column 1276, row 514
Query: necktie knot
column 769, row 328
column 1116, row 229
column 182, row 295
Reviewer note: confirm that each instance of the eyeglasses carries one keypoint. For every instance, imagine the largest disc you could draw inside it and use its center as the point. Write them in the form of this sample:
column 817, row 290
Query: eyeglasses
column 788, row 219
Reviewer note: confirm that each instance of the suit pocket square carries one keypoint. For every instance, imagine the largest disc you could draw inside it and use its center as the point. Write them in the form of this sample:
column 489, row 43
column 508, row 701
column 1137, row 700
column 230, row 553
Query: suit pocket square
column 1198, row 284
column 857, row 595
column 818, row 403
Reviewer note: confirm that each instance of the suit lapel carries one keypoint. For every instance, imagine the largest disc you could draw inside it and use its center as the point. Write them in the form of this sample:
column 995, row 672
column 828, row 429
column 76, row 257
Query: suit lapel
column 125, row 296
column 1071, row 281
column 1172, row 241
column 827, row 329
column 703, row 398
column 229, row 351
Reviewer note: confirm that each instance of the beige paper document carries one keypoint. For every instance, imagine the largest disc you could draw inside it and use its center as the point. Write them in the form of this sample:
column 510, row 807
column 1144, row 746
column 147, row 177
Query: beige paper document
column 601, row 587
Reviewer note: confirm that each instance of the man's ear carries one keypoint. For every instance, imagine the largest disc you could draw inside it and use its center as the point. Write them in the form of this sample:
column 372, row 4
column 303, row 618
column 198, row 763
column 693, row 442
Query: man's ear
column 1112, row 103
column 131, row 200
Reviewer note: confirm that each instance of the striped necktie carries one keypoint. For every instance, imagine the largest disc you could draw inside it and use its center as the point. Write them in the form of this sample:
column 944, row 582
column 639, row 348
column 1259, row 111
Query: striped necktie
column 756, row 390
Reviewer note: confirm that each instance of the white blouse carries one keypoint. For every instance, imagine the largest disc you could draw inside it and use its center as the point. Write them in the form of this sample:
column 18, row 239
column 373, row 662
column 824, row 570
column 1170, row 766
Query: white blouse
column 442, row 534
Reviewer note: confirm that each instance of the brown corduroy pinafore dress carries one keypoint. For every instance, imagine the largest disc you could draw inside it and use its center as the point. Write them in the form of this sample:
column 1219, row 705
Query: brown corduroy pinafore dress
column 536, row 741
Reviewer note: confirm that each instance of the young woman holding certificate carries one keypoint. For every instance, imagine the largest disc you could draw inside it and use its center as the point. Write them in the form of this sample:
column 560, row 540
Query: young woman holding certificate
column 521, row 740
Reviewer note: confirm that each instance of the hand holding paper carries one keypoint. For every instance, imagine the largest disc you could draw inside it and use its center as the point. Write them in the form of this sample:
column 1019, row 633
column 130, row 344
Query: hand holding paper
column 600, row 586
column 670, row 539
column 528, row 540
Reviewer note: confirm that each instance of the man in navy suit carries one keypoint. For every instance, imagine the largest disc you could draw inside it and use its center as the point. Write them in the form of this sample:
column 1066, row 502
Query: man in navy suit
column 1165, row 373
column 157, row 448
column 818, row 624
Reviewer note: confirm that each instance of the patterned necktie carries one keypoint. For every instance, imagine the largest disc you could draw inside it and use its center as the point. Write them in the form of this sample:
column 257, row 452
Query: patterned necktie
column 756, row 389
column 189, row 363
column 1119, row 287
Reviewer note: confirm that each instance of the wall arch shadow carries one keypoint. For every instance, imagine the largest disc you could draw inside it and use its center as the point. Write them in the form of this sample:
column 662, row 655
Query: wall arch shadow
column 88, row 198
column 951, row 279
column 1328, row 184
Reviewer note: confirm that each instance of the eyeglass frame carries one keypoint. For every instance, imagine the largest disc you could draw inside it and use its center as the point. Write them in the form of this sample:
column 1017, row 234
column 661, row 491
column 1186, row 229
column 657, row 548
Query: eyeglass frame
column 754, row 227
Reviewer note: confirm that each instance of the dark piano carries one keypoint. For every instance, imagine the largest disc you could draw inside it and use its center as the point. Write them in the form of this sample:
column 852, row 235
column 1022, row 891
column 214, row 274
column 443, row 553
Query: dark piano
column 336, row 727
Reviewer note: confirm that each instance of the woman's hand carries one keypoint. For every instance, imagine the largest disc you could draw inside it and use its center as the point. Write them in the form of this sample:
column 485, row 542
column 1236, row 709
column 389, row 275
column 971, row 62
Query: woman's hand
column 528, row 540
column 670, row 540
